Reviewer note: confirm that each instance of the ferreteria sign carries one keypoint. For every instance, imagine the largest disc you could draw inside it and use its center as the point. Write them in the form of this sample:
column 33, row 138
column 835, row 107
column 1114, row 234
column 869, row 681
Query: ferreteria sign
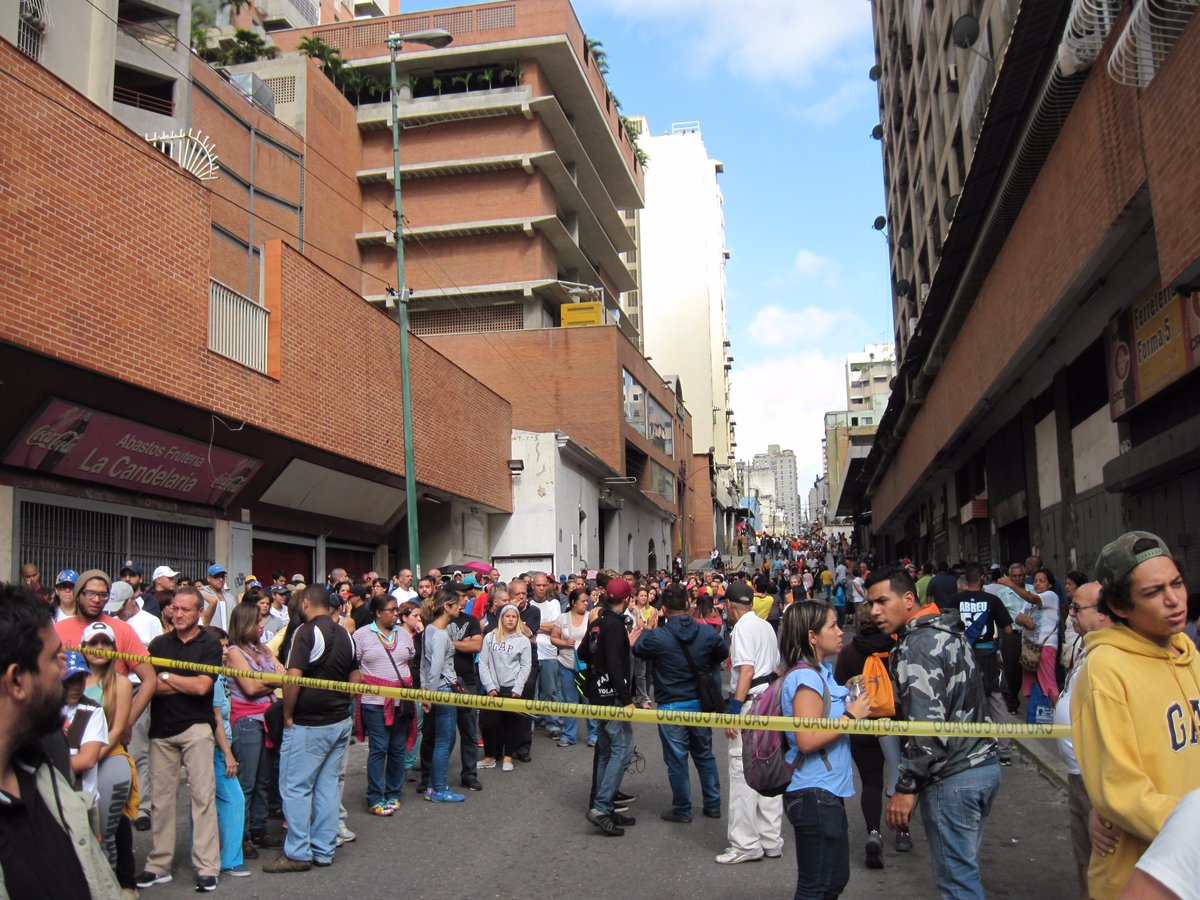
column 1151, row 345
column 73, row 441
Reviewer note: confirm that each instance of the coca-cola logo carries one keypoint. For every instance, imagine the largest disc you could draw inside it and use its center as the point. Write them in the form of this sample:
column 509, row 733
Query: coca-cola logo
column 53, row 441
column 1121, row 360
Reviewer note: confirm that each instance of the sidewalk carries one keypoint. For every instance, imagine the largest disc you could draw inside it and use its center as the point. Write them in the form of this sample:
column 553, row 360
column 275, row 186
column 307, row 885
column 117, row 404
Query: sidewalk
column 1043, row 753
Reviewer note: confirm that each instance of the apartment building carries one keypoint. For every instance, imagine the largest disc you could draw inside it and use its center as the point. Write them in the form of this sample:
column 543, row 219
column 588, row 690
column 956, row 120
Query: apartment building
column 1045, row 397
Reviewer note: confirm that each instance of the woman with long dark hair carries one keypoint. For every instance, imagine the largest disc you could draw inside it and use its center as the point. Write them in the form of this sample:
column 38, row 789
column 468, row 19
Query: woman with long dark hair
column 437, row 674
column 384, row 650
column 814, row 802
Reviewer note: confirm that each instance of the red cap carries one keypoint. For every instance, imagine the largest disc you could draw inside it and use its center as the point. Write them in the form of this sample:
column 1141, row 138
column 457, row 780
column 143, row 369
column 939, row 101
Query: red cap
column 618, row 589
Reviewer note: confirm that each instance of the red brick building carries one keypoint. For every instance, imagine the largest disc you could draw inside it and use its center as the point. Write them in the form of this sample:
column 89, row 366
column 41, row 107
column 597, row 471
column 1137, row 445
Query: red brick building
column 131, row 429
column 1047, row 399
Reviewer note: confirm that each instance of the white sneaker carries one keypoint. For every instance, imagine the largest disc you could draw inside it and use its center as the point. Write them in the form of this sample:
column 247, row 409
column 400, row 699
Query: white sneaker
column 733, row 856
column 344, row 834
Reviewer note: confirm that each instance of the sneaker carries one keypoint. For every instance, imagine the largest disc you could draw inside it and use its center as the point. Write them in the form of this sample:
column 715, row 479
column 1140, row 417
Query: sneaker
column 565, row 743
column 624, row 798
column 486, row 765
column 284, row 863
column 146, row 879
column 1006, row 760
column 394, row 803
column 381, row 809
column 772, row 854
column 142, row 823
column 732, row 856
column 904, row 841
column 604, row 823
column 473, row 785
column 712, row 814
column 506, row 767
column 322, row 863
column 620, row 807
column 344, row 834
column 236, row 872
column 622, row 820
column 206, row 883
column 671, row 816
column 446, row 796
column 553, row 735
column 874, row 850
column 524, row 757
column 591, row 742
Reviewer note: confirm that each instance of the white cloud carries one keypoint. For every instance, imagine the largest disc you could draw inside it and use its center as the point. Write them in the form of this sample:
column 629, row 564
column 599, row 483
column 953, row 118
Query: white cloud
column 775, row 326
column 812, row 265
column 783, row 400
column 765, row 40
column 842, row 101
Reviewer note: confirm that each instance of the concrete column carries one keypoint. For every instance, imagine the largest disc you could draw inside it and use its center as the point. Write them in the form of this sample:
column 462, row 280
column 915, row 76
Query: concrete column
column 8, row 543
column 1066, row 465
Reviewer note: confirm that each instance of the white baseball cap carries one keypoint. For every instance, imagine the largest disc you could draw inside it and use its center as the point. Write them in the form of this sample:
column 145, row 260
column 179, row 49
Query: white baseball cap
column 98, row 629
column 118, row 596
column 164, row 572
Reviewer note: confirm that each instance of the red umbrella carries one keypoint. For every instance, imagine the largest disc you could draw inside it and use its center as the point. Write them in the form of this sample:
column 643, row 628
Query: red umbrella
column 479, row 568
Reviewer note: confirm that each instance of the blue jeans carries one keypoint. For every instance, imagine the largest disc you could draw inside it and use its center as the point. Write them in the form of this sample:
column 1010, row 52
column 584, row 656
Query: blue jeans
column 822, row 842
column 231, row 813
column 953, row 811
column 445, row 721
column 549, row 689
column 566, row 686
column 614, row 747
column 388, row 745
column 254, row 772
column 309, row 762
column 678, row 741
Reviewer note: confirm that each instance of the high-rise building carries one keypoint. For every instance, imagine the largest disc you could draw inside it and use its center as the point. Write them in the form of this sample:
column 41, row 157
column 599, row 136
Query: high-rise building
column 869, row 379
column 683, row 280
column 772, row 475
column 1046, row 271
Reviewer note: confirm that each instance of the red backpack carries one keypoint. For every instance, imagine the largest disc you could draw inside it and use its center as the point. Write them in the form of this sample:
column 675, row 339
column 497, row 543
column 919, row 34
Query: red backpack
column 764, row 753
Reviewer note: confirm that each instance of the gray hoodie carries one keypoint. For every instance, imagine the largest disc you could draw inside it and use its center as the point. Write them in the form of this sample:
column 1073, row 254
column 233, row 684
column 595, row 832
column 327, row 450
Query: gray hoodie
column 504, row 665
column 437, row 660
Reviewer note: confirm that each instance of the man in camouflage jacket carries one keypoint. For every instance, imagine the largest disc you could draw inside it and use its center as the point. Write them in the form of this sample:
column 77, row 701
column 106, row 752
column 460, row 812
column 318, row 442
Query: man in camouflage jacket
column 936, row 680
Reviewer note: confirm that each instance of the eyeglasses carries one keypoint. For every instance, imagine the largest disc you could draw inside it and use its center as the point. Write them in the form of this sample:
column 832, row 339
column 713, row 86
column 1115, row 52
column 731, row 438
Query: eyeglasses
column 94, row 595
column 390, row 609
column 1075, row 607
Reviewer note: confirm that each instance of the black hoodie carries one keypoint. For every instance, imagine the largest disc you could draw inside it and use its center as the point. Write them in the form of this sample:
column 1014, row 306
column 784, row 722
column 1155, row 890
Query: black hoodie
column 605, row 649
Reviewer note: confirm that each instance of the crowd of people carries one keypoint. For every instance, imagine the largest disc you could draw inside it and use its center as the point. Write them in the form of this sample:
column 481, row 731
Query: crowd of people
column 95, row 748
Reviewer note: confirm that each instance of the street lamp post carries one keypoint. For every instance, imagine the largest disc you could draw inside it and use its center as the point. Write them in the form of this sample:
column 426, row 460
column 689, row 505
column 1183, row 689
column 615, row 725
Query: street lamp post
column 436, row 38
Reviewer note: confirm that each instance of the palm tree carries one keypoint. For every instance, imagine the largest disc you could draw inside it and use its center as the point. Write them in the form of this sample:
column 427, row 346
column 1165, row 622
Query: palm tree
column 598, row 55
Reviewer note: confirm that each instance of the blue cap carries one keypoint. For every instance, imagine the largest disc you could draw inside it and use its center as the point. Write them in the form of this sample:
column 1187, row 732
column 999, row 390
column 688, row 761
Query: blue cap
column 66, row 576
column 76, row 665
column 216, row 569
column 470, row 581
column 253, row 583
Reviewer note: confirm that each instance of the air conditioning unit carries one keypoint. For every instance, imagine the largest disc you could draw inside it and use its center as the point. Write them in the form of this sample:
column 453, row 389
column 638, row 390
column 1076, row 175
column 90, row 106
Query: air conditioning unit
column 924, row 293
column 912, row 326
column 952, row 77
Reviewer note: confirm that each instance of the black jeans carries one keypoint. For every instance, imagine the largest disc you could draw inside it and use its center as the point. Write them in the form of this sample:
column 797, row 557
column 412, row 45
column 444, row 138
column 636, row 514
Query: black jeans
column 868, row 759
column 822, row 842
column 1010, row 653
column 503, row 732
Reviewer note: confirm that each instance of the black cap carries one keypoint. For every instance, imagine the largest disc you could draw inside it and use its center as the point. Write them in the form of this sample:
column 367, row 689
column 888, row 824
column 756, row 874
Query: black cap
column 740, row 592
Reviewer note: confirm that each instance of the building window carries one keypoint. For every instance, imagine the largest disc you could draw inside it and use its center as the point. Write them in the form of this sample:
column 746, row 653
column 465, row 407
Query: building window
column 662, row 481
column 662, row 428
column 635, row 403
column 31, row 28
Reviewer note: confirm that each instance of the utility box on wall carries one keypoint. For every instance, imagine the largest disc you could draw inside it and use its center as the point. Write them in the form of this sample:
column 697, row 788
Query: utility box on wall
column 591, row 313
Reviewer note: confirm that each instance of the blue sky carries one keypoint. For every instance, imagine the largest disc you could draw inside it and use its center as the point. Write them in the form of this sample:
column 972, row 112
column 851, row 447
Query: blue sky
column 781, row 92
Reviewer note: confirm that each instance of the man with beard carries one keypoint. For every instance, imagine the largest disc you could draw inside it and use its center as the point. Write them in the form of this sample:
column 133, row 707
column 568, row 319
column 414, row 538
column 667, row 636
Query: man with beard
column 46, row 845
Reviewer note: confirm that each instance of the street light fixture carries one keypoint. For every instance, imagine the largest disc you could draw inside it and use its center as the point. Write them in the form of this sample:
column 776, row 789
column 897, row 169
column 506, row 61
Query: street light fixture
column 436, row 38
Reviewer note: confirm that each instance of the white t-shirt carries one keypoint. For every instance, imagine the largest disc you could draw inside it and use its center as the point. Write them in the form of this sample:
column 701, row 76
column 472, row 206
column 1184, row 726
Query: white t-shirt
column 403, row 595
column 549, row 610
column 568, row 633
column 225, row 603
column 145, row 625
column 1047, row 618
column 1172, row 858
column 1062, row 716
column 753, row 643
column 96, row 731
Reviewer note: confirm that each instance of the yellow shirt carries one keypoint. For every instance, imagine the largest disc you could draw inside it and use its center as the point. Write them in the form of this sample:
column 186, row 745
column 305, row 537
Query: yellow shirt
column 762, row 605
column 826, row 578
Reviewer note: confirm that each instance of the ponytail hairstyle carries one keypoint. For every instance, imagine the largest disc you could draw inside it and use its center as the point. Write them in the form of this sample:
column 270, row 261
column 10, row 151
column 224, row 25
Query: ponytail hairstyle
column 434, row 606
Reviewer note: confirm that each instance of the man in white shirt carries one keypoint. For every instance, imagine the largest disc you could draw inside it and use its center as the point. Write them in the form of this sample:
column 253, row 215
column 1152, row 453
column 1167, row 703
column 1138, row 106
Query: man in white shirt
column 755, row 821
column 403, row 591
column 219, row 600
column 549, row 684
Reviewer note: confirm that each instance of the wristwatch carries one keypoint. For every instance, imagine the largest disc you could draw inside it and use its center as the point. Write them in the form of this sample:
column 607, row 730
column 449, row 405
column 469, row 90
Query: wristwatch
column 165, row 676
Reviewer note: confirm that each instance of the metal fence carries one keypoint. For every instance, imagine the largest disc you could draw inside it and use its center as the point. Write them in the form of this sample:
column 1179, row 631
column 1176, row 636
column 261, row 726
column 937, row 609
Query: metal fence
column 237, row 326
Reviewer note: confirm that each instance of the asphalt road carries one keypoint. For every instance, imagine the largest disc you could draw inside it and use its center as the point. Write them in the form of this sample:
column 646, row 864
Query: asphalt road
column 525, row 836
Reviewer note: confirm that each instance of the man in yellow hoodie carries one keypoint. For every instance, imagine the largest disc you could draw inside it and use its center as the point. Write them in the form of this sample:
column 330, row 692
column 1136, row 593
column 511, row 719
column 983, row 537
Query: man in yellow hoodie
column 1135, row 708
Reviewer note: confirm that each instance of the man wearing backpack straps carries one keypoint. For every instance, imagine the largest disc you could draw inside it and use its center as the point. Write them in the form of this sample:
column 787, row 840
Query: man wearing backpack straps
column 755, row 821
column 936, row 679
column 986, row 621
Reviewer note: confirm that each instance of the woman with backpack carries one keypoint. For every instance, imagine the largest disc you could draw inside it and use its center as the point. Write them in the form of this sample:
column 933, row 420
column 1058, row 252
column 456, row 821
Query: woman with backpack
column 814, row 802
column 876, row 758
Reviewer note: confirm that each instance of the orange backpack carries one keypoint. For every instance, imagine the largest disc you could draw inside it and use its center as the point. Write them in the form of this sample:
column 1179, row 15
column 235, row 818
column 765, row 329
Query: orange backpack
column 879, row 686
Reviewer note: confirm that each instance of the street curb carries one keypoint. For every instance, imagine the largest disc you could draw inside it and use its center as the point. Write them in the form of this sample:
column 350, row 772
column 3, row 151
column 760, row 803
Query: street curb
column 1047, row 761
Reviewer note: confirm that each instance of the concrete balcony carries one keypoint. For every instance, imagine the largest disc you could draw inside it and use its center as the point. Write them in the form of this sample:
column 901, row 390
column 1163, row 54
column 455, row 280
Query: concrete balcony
column 280, row 14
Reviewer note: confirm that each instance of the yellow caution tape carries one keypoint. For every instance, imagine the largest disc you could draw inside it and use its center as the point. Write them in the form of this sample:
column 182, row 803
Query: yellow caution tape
column 651, row 716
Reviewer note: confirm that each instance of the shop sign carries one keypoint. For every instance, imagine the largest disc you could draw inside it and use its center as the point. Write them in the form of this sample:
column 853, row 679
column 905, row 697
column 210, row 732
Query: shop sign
column 1151, row 345
column 73, row 441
